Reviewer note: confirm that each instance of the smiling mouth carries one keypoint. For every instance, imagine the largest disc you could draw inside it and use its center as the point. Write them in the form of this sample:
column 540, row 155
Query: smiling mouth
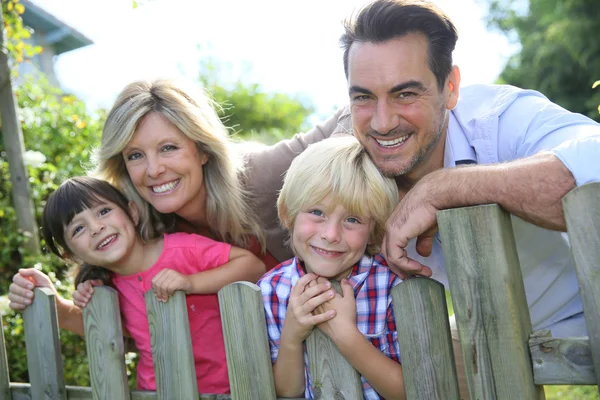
column 107, row 242
column 165, row 187
column 326, row 252
column 389, row 144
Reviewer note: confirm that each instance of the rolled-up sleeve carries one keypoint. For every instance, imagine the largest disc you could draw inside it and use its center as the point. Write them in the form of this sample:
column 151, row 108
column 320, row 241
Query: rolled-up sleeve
column 582, row 156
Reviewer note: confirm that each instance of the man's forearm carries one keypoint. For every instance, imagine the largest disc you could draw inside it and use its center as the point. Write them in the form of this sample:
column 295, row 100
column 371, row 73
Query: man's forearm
column 531, row 188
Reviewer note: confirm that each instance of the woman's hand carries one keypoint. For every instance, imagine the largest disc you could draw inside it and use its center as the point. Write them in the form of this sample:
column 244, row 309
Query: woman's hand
column 83, row 294
column 20, row 292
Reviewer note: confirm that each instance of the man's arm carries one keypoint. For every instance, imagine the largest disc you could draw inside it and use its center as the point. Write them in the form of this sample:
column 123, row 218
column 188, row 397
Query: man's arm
column 531, row 188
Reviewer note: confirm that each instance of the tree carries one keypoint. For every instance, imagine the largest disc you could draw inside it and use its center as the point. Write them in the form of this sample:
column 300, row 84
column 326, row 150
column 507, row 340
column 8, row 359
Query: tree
column 560, row 53
column 249, row 111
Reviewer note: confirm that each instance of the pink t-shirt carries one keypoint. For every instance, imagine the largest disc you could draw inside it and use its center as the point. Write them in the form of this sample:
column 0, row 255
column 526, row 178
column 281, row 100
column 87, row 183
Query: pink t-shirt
column 187, row 254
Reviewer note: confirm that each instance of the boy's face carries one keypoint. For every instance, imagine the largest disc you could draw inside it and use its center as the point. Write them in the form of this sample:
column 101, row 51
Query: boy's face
column 102, row 235
column 330, row 243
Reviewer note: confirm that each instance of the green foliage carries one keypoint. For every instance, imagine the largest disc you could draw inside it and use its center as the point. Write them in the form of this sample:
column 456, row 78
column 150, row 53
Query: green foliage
column 560, row 53
column 251, row 112
column 561, row 392
column 16, row 33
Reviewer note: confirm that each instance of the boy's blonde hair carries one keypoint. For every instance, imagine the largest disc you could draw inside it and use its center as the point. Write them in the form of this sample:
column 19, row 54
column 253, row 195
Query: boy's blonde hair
column 193, row 113
column 338, row 167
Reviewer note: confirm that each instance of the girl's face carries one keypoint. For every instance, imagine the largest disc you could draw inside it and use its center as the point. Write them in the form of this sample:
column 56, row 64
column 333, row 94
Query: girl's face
column 103, row 235
column 166, row 167
column 330, row 241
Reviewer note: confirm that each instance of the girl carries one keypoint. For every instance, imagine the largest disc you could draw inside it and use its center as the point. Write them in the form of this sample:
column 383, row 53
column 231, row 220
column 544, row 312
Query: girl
column 89, row 221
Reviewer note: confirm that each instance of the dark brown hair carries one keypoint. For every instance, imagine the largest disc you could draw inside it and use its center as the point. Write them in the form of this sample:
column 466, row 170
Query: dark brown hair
column 383, row 20
column 72, row 197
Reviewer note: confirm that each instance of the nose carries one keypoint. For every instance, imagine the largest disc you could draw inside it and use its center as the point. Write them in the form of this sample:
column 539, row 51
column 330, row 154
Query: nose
column 331, row 231
column 154, row 167
column 96, row 228
column 385, row 118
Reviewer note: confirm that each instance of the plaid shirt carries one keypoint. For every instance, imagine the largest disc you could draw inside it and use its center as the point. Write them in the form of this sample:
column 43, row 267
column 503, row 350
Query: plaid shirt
column 372, row 282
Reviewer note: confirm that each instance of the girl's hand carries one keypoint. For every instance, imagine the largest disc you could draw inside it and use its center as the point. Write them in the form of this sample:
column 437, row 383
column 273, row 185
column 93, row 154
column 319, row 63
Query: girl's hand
column 83, row 294
column 20, row 292
column 300, row 319
column 167, row 281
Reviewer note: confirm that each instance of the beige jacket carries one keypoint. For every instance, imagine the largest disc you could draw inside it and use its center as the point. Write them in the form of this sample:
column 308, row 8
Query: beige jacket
column 265, row 172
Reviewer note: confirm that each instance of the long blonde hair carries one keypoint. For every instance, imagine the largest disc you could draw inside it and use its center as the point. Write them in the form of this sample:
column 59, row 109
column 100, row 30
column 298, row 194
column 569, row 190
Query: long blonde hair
column 227, row 210
column 341, row 168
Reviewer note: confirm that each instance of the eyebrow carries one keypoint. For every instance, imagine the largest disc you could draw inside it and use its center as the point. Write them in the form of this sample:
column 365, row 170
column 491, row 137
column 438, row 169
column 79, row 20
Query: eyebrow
column 412, row 84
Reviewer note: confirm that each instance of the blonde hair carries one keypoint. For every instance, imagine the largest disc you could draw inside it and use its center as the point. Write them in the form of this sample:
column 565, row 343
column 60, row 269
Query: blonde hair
column 338, row 167
column 227, row 210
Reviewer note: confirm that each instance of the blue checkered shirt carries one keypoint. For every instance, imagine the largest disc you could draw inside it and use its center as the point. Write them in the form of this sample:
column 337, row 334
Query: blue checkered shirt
column 372, row 282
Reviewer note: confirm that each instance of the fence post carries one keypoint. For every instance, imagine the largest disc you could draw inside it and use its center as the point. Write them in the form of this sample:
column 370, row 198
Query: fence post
column 246, row 342
column 43, row 347
column 583, row 225
column 4, row 376
column 489, row 302
column 171, row 342
column 424, row 337
column 333, row 377
column 104, row 344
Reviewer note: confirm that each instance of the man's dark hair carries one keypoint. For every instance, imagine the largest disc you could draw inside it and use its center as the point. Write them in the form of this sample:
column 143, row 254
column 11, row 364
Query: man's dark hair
column 383, row 20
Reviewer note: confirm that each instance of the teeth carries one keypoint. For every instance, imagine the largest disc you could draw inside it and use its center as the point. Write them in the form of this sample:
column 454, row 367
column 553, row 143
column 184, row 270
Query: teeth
column 320, row 250
column 392, row 143
column 106, row 241
column 166, row 187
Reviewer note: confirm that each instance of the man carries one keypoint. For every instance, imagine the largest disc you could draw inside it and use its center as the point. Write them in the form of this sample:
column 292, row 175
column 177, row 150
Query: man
column 514, row 148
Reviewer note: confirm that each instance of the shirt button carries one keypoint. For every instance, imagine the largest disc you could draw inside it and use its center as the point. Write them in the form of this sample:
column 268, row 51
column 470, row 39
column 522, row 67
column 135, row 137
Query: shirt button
column 139, row 278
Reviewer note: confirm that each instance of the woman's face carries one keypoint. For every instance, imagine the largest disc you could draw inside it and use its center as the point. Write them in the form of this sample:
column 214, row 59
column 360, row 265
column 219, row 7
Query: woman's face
column 166, row 167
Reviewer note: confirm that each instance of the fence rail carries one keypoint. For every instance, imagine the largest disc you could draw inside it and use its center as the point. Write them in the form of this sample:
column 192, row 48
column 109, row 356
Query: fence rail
column 504, row 359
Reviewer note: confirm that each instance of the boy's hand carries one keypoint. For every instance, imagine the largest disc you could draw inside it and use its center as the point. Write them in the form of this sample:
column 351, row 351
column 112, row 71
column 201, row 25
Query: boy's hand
column 167, row 281
column 300, row 317
column 83, row 294
column 345, row 308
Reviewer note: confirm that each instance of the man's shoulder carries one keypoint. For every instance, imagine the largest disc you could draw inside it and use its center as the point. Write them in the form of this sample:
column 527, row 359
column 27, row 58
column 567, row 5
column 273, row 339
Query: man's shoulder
column 486, row 99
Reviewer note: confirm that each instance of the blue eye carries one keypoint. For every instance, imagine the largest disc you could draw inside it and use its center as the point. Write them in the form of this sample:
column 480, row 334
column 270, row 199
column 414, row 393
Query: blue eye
column 318, row 213
column 168, row 147
column 353, row 220
column 134, row 156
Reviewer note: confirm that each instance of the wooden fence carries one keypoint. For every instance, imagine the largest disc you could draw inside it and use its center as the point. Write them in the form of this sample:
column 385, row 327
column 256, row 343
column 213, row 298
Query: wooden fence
column 504, row 358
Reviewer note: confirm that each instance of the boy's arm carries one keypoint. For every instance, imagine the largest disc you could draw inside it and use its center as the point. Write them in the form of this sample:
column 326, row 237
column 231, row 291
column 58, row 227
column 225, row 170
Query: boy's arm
column 383, row 373
column 288, row 370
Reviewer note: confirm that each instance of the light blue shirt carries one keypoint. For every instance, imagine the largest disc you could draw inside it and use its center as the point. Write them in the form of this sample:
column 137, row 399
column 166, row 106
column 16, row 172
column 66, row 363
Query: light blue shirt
column 492, row 124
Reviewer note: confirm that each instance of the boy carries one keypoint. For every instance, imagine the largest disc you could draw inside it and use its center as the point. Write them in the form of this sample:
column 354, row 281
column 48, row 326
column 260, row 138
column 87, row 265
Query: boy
column 334, row 202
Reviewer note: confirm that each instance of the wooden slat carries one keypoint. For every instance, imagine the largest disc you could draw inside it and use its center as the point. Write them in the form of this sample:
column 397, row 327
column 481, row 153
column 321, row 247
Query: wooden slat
column 4, row 376
column 424, row 338
column 22, row 391
column 564, row 361
column 489, row 302
column 104, row 343
column 333, row 377
column 172, row 353
column 246, row 342
column 582, row 213
column 43, row 347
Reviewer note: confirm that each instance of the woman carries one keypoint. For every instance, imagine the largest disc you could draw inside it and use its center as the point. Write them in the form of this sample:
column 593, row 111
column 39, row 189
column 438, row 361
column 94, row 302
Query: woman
column 168, row 151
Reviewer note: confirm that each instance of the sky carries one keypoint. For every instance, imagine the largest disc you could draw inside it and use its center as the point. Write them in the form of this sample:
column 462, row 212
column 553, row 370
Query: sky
column 285, row 46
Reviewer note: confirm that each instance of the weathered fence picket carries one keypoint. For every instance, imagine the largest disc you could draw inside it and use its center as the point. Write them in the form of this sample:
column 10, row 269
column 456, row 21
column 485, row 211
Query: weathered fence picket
column 246, row 342
column 582, row 213
column 43, row 347
column 425, row 343
column 4, row 377
column 104, row 344
column 489, row 302
column 172, row 353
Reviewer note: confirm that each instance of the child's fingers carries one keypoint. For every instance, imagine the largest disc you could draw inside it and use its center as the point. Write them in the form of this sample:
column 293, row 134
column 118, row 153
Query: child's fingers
column 347, row 289
column 302, row 283
column 314, row 302
column 317, row 319
column 314, row 291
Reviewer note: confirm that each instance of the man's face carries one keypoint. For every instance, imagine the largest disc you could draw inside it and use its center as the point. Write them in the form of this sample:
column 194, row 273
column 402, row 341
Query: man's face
column 398, row 111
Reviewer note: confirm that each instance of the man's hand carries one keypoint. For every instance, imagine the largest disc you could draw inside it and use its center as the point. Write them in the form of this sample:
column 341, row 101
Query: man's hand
column 414, row 217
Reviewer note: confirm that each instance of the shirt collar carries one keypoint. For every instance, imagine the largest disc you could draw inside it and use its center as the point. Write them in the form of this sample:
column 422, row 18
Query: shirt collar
column 358, row 275
column 458, row 150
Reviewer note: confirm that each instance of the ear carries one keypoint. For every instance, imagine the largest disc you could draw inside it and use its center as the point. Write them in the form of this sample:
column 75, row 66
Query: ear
column 133, row 211
column 452, row 85
column 203, row 157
